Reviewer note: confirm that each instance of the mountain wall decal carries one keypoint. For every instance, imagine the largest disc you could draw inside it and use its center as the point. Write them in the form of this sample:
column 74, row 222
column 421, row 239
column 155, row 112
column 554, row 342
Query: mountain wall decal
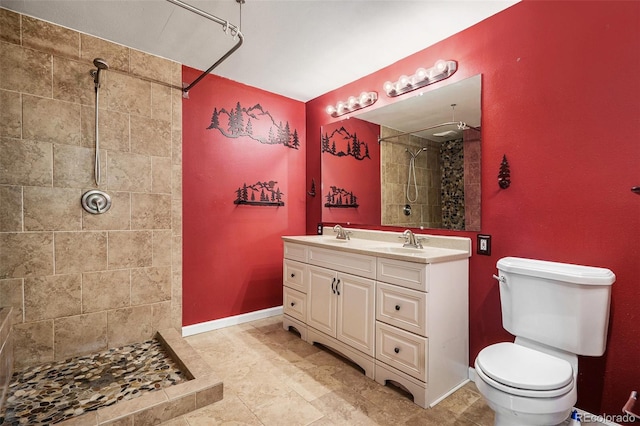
column 342, row 143
column 254, row 123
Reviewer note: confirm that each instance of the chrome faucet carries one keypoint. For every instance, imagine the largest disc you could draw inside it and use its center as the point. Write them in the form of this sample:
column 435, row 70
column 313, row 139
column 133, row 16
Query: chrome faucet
column 410, row 239
column 342, row 234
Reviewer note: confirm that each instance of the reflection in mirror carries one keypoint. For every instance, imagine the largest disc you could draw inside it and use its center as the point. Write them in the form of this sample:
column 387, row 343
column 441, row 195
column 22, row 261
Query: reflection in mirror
column 424, row 172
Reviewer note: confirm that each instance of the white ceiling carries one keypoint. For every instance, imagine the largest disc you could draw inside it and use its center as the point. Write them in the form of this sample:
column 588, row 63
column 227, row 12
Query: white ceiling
column 452, row 103
column 300, row 49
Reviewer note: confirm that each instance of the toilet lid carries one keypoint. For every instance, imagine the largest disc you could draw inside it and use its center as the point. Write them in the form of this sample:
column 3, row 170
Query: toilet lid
column 519, row 367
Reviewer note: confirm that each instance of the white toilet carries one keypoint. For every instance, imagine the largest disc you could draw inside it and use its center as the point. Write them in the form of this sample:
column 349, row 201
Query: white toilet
column 557, row 311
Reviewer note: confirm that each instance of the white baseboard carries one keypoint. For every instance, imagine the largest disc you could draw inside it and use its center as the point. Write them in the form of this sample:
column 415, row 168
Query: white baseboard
column 472, row 374
column 598, row 420
column 203, row 327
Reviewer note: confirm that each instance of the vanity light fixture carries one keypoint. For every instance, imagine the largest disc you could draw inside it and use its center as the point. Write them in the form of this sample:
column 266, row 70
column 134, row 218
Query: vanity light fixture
column 423, row 77
column 353, row 104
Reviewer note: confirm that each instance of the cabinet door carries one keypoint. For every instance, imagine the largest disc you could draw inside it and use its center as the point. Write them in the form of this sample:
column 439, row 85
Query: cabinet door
column 356, row 312
column 321, row 300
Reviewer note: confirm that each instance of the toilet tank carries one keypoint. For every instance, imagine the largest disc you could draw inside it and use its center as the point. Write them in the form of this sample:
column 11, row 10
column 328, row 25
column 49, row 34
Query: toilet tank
column 561, row 305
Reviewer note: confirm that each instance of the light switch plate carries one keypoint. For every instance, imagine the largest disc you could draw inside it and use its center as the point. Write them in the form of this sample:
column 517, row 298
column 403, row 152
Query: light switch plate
column 484, row 245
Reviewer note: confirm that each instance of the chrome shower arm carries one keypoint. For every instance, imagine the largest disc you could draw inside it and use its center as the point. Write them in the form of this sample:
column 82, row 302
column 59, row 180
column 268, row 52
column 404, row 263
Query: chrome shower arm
column 235, row 31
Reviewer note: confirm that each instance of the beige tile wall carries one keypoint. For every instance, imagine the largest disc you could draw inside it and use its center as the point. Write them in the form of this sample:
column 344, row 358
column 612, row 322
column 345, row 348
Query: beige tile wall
column 394, row 168
column 78, row 282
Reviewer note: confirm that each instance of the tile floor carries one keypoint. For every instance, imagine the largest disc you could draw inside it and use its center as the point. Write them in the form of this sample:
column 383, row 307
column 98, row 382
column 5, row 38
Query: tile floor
column 272, row 377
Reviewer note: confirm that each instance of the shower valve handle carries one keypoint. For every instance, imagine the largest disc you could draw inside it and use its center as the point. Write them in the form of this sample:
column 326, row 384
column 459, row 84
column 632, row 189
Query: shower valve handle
column 96, row 202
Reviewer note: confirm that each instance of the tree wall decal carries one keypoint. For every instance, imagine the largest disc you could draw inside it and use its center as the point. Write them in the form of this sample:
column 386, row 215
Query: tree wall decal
column 341, row 198
column 354, row 147
column 267, row 194
column 254, row 123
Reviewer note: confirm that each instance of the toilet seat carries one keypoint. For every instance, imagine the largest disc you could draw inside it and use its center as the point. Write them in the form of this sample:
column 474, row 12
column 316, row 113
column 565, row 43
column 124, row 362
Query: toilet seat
column 519, row 370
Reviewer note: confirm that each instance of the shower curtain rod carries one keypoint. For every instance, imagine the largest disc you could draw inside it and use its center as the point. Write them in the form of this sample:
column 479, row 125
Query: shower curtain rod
column 448, row 123
column 235, row 31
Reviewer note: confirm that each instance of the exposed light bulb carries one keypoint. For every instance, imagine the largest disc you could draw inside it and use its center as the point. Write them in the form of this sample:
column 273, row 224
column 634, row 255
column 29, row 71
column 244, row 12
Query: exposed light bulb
column 421, row 74
column 403, row 81
column 353, row 103
column 422, row 77
column 438, row 69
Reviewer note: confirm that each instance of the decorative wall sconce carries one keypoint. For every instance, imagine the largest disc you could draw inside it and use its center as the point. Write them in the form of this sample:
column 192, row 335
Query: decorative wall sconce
column 423, row 77
column 504, row 176
column 353, row 104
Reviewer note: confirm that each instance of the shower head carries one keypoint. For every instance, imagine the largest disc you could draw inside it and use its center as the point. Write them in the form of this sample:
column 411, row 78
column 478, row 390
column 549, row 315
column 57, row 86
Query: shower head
column 416, row 153
column 100, row 64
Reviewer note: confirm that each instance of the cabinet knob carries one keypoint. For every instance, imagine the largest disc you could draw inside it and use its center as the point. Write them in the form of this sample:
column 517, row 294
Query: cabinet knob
column 396, row 350
column 397, row 307
column 293, row 303
column 293, row 275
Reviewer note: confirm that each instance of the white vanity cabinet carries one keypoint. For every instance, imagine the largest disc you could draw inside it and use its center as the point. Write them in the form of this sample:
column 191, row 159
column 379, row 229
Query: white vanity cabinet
column 294, row 289
column 338, row 292
column 402, row 318
column 422, row 327
column 342, row 306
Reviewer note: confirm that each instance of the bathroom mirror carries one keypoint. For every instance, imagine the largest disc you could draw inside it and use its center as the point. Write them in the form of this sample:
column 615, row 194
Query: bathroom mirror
column 424, row 173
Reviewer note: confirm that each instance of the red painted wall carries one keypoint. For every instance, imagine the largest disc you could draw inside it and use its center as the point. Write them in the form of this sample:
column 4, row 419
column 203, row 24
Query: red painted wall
column 361, row 177
column 232, row 254
column 561, row 98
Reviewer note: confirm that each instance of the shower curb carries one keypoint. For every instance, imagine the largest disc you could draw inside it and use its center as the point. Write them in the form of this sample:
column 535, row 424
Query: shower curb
column 202, row 388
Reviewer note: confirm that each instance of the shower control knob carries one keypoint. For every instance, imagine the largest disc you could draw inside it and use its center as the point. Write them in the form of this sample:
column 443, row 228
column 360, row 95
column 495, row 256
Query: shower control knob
column 96, row 201
column 397, row 307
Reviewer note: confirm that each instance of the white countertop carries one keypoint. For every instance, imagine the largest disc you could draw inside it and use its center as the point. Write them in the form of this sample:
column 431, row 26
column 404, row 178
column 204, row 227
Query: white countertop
column 389, row 245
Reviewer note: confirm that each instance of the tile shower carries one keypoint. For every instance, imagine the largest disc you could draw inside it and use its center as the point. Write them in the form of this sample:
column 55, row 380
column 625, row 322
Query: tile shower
column 81, row 283
column 440, row 205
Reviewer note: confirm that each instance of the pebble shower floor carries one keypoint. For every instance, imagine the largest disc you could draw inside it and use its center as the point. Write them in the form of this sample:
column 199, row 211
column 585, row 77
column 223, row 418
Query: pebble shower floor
column 53, row 392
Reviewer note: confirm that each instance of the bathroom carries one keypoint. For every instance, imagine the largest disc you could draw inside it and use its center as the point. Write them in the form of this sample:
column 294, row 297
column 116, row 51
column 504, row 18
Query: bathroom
column 557, row 77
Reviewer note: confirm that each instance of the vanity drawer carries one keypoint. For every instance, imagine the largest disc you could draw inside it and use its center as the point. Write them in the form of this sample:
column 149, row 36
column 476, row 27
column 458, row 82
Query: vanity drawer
column 351, row 263
column 293, row 275
column 402, row 308
column 294, row 303
column 296, row 252
column 402, row 350
column 407, row 274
